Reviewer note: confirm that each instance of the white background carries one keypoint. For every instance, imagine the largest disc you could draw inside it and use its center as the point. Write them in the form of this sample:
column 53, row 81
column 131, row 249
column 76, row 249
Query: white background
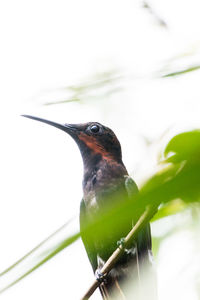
column 48, row 45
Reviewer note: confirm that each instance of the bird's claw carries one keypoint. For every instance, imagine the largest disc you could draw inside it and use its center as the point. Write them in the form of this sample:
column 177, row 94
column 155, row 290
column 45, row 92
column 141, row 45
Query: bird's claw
column 121, row 242
column 99, row 276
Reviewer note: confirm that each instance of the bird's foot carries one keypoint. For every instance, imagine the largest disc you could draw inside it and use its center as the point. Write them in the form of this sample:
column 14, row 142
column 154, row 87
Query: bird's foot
column 99, row 276
column 121, row 243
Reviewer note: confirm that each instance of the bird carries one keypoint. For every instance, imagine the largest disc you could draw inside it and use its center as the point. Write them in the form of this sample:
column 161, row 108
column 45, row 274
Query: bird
column 106, row 184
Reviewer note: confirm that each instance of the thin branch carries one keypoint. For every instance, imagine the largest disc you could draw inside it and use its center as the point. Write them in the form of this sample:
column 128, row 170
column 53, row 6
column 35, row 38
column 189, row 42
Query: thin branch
column 145, row 217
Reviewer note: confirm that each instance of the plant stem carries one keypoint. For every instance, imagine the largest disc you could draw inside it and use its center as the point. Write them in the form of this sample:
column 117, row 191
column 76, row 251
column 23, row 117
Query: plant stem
column 145, row 217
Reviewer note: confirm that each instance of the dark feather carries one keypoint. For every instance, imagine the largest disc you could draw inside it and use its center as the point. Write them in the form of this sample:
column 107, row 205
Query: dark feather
column 136, row 258
column 130, row 268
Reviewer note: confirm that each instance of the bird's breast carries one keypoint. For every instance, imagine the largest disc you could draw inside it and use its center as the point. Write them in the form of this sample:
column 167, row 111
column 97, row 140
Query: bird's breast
column 103, row 186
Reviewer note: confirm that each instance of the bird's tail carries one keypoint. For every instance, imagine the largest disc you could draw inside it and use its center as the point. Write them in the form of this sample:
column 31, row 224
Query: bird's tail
column 133, row 278
column 135, row 282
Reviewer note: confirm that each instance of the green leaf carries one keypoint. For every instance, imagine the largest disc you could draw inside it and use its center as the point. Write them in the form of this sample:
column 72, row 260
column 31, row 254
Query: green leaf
column 42, row 253
column 168, row 209
column 181, row 72
column 184, row 146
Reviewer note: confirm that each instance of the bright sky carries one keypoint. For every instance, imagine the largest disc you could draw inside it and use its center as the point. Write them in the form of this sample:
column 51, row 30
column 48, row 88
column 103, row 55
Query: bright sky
column 48, row 45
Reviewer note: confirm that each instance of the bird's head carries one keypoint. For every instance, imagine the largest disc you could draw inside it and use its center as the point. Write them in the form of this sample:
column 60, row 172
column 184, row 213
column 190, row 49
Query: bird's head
column 93, row 139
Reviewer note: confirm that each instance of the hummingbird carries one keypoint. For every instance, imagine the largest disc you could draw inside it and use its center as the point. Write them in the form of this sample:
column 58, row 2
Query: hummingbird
column 106, row 184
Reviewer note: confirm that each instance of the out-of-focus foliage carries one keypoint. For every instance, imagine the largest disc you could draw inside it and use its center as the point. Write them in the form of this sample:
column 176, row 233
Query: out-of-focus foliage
column 103, row 85
column 172, row 189
column 181, row 72
column 168, row 209
column 43, row 252
column 160, row 21
column 184, row 146
column 99, row 86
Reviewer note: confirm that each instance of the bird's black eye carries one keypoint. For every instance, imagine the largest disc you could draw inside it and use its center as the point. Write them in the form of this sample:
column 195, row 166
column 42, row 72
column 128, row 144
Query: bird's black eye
column 94, row 128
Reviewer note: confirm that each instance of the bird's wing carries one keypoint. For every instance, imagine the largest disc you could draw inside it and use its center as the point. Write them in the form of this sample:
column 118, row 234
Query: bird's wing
column 144, row 237
column 144, row 257
column 86, row 238
column 131, row 186
column 131, row 268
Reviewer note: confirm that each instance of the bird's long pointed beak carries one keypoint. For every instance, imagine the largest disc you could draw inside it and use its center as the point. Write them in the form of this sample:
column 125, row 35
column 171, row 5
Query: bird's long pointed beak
column 65, row 127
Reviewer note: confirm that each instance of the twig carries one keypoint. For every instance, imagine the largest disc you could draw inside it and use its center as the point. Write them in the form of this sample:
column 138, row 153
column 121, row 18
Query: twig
column 145, row 217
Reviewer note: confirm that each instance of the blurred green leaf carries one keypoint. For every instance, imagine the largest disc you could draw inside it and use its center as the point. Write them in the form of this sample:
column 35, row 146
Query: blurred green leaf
column 43, row 258
column 169, row 209
column 42, row 253
column 98, row 87
column 156, row 242
column 180, row 178
column 184, row 146
column 182, row 72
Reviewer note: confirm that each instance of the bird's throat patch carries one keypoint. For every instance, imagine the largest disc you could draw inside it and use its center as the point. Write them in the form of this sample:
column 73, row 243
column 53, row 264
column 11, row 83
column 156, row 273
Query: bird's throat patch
column 92, row 143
